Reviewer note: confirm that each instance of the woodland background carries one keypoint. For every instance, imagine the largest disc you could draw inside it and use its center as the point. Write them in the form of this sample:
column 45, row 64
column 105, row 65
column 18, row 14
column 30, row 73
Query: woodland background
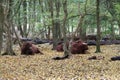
column 53, row 20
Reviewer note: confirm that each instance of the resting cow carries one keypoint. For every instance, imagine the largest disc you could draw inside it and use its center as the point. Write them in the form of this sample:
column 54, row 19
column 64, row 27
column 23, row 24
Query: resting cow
column 77, row 47
column 29, row 49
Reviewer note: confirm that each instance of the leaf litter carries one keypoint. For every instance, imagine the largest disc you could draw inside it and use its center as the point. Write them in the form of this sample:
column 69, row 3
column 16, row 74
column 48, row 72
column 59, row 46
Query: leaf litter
column 77, row 67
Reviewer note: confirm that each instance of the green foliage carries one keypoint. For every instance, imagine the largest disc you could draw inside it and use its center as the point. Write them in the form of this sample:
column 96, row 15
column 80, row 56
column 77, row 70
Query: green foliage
column 38, row 13
column 117, row 9
column 76, row 1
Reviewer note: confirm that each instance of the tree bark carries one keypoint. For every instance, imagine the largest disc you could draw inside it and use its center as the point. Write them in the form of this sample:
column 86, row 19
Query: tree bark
column 112, row 31
column 98, row 27
column 9, row 47
column 1, row 24
column 49, row 31
column 119, row 27
column 50, row 3
column 25, row 18
column 64, row 29
column 79, row 29
column 57, row 23
column 19, row 25
column 7, row 23
column 66, row 49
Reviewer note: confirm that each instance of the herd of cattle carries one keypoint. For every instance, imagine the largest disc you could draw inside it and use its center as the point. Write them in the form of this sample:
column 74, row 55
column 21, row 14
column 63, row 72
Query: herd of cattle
column 77, row 46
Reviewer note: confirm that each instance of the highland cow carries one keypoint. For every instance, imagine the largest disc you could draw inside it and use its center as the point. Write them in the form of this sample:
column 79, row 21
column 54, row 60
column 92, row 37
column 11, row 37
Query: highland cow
column 29, row 49
column 77, row 47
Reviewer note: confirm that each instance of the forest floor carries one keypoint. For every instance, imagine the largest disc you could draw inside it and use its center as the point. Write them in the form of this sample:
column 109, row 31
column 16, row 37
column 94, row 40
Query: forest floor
column 77, row 67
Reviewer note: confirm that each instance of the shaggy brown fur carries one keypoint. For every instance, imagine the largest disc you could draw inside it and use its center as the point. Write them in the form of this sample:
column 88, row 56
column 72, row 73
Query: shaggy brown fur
column 29, row 49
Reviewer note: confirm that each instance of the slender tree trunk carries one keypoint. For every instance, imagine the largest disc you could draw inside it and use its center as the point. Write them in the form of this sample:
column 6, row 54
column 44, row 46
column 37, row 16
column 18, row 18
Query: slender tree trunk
column 25, row 18
column 72, row 25
column 18, row 20
column 66, row 49
column 19, row 25
column 80, row 26
column 98, row 27
column 64, row 29
column 17, row 37
column 84, row 33
column 112, row 31
column 33, row 16
column 57, row 23
column 81, row 19
column 53, row 24
column 1, row 23
column 119, row 27
column 48, row 35
column 43, row 21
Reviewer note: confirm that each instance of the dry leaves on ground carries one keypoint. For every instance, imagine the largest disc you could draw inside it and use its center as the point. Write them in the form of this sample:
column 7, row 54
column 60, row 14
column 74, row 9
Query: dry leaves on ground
column 77, row 67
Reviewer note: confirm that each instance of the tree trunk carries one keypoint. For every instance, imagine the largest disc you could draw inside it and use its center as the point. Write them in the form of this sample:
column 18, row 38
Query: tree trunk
column 80, row 26
column 119, row 27
column 17, row 37
column 48, row 33
column 84, row 33
column 64, row 29
column 112, row 31
column 1, row 24
column 33, row 17
column 9, row 47
column 66, row 49
column 81, row 18
column 25, row 18
column 72, row 27
column 19, row 25
column 50, row 3
column 98, row 27
column 57, row 23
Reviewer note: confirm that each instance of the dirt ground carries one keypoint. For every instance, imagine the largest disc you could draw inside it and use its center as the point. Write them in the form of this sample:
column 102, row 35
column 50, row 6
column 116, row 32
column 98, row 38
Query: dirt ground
column 77, row 67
